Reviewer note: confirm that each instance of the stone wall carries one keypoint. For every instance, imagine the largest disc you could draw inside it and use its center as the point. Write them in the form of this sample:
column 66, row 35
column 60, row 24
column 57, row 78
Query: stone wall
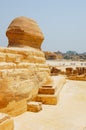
column 22, row 71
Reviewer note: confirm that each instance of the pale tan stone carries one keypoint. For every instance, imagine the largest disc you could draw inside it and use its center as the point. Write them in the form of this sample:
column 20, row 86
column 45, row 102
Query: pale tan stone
column 34, row 106
column 6, row 122
column 23, row 66
column 2, row 57
column 15, row 58
column 15, row 108
column 24, row 32
column 46, row 90
column 5, row 65
column 49, row 95
column 47, row 99
column 18, row 84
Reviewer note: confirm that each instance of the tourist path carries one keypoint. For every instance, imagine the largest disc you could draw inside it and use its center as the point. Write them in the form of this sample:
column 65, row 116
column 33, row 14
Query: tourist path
column 68, row 114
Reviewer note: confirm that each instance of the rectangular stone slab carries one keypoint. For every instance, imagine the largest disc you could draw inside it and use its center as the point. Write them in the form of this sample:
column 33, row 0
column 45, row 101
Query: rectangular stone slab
column 46, row 90
column 34, row 106
column 47, row 99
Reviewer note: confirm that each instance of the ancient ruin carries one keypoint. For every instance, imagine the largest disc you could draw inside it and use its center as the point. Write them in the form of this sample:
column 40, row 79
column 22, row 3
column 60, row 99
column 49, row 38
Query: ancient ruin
column 25, row 78
column 22, row 66
column 24, row 32
column 71, row 72
column 79, row 73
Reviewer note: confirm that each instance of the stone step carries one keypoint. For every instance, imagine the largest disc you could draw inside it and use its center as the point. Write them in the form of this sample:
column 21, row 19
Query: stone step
column 34, row 106
column 49, row 94
column 47, row 90
column 47, row 99
column 47, row 86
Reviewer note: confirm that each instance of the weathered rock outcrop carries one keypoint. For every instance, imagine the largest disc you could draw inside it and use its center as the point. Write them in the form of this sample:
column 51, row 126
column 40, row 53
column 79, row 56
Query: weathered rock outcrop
column 24, row 32
column 22, row 66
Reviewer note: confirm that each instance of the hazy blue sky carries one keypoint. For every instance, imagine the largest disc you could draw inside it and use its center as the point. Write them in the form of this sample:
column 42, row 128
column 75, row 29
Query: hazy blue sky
column 63, row 22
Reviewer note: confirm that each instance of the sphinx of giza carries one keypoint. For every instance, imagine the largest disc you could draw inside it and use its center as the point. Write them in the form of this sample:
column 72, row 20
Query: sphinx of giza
column 23, row 66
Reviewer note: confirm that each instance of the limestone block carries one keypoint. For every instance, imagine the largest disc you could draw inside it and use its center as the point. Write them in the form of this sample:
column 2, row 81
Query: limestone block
column 81, row 70
column 46, row 90
column 39, row 60
column 21, row 80
column 17, row 55
column 34, row 59
column 6, row 122
column 24, row 32
column 20, row 107
column 2, row 49
column 47, row 99
column 22, row 51
column 29, row 54
column 51, row 99
column 44, row 69
column 55, row 71
column 69, row 71
column 25, row 65
column 5, row 65
column 15, row 108
column 77, row 77
column 38, row 68
column 47, row 86
column 10, row 57
column 75, row 72
column 34, row 106
column 22, row 65
column 18, row 84
column 15, row 58
column 2, row 57
column 42, row 65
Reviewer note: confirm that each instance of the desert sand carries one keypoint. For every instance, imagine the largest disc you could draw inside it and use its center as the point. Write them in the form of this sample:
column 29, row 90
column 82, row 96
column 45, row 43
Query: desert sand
column 68, row 114
column 62, row 64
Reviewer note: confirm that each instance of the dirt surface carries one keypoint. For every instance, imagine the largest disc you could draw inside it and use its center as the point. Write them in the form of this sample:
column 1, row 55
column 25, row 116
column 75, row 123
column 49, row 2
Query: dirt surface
column 68, row 114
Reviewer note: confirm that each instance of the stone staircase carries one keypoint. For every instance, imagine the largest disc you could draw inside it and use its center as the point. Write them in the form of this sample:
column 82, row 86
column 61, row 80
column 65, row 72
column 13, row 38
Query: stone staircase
column 49, row 94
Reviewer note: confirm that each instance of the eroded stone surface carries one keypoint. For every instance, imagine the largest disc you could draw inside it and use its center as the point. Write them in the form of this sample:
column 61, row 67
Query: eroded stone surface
column 24, row 32
column 6, row 122
column 34, row 106
column 48, row 95
column 23, row 66
column 22, row 72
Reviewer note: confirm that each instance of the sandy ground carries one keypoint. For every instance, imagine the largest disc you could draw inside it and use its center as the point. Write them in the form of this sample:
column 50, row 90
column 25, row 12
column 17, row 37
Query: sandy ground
column 65, row 64
column 68, row 114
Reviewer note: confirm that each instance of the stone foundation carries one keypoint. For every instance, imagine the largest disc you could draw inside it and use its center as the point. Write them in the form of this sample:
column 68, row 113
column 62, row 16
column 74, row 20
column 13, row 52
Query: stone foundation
column 34, row 106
